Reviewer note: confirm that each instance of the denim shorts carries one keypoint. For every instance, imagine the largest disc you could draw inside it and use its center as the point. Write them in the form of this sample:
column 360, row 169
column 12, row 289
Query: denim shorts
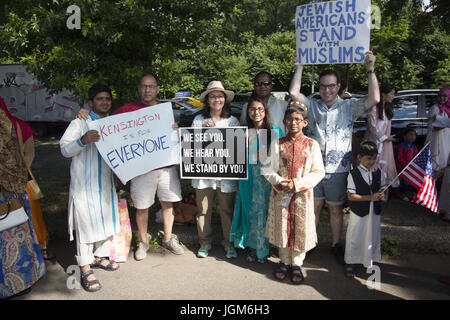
column 332, row 189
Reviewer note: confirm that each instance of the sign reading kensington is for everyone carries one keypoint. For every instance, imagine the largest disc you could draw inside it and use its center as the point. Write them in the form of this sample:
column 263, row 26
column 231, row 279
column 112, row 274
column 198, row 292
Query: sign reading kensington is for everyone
column 214, row 153
column 137, row 142
column 333, row 32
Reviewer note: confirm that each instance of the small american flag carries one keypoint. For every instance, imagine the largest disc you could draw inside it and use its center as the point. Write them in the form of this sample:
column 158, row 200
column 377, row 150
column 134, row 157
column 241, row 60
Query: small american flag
column 419, row 173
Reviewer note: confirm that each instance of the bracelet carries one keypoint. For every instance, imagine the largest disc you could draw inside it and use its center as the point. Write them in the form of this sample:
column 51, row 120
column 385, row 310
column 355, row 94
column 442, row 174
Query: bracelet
column 370, row 71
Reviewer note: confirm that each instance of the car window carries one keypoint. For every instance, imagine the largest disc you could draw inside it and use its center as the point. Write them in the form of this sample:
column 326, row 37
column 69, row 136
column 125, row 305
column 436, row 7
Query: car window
column 241, row 98
column 430, row 100
column 405, row 107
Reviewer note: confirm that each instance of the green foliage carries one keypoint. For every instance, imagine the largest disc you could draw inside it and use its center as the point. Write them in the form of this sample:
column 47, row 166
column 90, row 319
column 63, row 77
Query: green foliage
column 441, row 76
column 188, row 43
column 389, row 247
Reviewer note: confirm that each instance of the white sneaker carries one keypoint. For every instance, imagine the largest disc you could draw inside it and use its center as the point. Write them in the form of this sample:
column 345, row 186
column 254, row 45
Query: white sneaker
column 142, row 248
column 173, row 246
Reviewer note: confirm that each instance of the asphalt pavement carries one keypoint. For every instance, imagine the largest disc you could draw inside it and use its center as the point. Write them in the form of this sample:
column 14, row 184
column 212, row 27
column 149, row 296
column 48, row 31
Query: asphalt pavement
column 165, row 276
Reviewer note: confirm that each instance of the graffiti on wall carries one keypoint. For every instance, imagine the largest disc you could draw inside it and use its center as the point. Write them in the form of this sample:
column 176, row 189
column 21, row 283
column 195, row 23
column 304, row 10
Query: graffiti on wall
column 27, row 99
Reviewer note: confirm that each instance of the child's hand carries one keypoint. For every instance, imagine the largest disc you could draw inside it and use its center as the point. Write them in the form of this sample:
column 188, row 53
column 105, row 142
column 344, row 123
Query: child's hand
column 288, row 186
column 378, row 196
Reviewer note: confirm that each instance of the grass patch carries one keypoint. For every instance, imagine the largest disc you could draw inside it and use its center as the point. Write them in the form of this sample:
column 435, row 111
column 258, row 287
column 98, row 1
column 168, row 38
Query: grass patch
column 389, row 247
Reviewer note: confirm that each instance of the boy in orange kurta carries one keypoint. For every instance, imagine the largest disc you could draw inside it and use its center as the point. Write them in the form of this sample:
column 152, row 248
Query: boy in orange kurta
column 291, row 220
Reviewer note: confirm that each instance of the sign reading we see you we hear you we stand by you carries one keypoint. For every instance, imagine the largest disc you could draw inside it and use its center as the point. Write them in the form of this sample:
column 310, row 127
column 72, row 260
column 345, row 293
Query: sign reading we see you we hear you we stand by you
column 333, row 32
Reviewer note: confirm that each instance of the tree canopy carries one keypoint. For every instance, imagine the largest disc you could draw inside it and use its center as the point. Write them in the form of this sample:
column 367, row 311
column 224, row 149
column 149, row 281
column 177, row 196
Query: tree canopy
column 187, row 43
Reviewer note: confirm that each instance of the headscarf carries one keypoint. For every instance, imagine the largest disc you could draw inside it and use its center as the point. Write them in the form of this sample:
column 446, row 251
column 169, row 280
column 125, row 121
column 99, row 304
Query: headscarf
column 13, row 172
column 445, row 108
column 27, row 132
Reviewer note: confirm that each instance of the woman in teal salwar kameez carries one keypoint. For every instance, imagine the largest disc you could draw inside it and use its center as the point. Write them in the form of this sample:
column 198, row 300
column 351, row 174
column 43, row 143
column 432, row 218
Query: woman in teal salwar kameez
column 250, row 213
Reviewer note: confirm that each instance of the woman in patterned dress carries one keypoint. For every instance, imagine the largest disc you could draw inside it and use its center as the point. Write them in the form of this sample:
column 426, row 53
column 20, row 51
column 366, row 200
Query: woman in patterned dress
column 250, row 213
column 379, row 131
column 21, row 261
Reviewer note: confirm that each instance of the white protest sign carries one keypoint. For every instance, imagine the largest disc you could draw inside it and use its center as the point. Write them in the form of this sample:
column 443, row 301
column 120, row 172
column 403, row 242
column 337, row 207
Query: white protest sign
column 333, row 32
column 137, row 142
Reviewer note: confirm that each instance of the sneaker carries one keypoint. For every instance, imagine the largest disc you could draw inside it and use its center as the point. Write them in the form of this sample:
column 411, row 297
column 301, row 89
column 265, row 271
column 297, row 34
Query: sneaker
column 173, row 246
column 203, row 251
column 338, row 253
column 230, row 252
column 141, row 251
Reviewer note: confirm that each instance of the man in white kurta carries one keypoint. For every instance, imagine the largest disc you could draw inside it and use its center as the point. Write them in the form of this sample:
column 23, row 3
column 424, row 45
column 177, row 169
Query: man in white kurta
column 93, row 204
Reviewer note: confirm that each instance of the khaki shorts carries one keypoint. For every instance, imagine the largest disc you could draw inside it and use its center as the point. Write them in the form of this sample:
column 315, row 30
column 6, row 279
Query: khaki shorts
column 164, row 182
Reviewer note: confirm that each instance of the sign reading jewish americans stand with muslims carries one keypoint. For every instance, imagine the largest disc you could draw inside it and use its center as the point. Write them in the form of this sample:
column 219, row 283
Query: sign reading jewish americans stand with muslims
column 333, row 32
column 137, row 142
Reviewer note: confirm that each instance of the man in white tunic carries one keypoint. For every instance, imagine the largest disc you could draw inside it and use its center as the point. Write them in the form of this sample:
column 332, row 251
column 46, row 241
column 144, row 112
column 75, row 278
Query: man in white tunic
column 93, row 205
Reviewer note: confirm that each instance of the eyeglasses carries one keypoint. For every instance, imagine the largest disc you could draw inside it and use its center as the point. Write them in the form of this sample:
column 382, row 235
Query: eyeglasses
column 254, row 110
column 148, row 86
column 327, row 86
column 295, row 120
column 220, row 96
column 263, row 83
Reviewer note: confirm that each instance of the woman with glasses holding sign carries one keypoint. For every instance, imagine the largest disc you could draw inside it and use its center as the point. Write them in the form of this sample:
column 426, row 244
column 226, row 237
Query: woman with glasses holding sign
column 216, row 113
column 250, row 212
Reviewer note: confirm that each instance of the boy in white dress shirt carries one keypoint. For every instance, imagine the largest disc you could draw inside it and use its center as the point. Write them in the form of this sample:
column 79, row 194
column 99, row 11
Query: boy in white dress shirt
column 365, row 190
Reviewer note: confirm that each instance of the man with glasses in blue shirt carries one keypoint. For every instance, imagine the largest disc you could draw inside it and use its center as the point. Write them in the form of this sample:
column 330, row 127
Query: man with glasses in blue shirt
column 331, row 125
column 262, row 88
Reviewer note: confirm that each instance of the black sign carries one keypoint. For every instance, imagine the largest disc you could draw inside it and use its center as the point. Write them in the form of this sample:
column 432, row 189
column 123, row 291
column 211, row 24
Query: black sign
column 214, row 153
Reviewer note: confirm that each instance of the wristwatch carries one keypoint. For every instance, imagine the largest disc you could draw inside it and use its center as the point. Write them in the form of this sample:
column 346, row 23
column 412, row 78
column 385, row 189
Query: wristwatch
column 370, row 71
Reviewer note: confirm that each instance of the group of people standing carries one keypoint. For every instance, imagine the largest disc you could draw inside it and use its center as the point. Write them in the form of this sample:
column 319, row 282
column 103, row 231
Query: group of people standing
column 277, row 206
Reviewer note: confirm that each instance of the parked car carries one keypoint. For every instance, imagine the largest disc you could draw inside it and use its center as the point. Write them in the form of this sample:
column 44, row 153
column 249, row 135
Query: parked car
column 240, row 99
column 184, row 113
column 190, row 100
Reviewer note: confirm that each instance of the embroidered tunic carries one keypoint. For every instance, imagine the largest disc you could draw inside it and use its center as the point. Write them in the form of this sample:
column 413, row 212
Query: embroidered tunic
column 294, row 226
column 93, row 205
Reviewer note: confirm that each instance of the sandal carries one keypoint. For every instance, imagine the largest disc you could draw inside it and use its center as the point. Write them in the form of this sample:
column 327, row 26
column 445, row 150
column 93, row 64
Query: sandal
column 46, row 255
column 283, row 269
column 90, row 285
column 109, row 267
column 349, row 271
column 297, row 275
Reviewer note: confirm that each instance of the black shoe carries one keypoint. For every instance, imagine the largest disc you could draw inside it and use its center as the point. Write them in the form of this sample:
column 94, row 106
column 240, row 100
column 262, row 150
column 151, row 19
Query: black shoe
column 338, row 252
